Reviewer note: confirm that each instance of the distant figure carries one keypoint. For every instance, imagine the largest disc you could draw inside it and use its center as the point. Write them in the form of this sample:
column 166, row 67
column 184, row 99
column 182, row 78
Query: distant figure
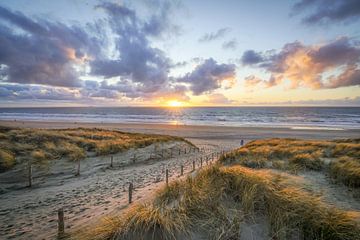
column 242, row 142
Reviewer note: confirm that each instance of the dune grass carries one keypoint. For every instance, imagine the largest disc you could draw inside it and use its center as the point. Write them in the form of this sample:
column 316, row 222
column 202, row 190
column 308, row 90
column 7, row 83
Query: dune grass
column 295, row 155
column 73, row 144
column 7, row 160
column 218, row 200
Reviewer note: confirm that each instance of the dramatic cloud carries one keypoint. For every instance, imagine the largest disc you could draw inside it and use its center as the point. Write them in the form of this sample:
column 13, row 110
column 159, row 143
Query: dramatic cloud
column 42, row 52
column 332, row 65
column 328, row 11
column 209, row 76
column 143, row 67
column 232, row 44
column 214, row 35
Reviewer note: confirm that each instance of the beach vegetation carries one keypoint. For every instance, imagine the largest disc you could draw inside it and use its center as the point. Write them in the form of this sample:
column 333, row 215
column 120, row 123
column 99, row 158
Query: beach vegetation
column 339, row 157
column 219, row 200
column 71, row 144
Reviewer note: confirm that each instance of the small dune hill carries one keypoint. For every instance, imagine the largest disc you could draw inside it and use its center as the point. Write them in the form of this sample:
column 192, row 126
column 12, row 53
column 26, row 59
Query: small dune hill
column 339, row 158
column 253, row 192
column 39, row 145
column 231, row 203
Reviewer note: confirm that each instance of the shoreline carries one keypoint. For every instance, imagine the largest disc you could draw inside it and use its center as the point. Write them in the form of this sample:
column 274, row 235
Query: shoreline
column 196, row 131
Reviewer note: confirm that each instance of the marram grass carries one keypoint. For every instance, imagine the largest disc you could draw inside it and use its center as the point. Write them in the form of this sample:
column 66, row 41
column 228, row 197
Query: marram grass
column 294, row 155
column 217, row 201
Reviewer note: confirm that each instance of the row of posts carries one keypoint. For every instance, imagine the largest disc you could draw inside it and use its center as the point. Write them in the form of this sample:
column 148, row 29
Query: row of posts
column 30, row 178
column 61, row 224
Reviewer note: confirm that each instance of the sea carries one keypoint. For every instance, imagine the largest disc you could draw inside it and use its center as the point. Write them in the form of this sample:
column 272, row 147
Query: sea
column 327, row 118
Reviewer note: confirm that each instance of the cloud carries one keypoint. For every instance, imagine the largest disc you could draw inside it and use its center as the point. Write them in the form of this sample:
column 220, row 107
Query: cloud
column 42, row 52
column 231, row 45
column 251, row 57
column 208, row 37
column 139, row 64
column 312, row 102
column 31, row 92
column 328, row 11
column 209, row 76
column 331, row 65
column 218, row 99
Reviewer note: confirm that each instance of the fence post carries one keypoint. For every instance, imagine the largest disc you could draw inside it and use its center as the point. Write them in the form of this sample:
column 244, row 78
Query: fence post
column 201, row 162
column 181, row 170
column 111, row 161
column 193, row 165
column 78, row 169
column 179, row 151
column 167, row 177
column 130, row 192
column 185, row 150
column 30, row 174
column 61, row 224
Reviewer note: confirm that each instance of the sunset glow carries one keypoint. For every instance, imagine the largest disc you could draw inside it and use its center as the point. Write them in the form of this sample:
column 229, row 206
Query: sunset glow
column 158, row 56
column 175, row 103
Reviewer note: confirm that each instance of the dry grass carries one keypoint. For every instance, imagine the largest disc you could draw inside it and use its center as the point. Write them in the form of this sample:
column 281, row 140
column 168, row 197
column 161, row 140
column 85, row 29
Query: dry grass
column 72, row 144
column 346, row 170
column 295, row 155
column 7, row 160
column 219, row 199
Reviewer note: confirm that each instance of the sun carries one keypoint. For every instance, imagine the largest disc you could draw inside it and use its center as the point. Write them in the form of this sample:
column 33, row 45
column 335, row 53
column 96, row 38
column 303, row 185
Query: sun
column 175, row 103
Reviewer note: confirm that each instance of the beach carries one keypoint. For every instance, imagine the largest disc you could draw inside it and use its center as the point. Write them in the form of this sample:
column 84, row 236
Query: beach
column 101, row 190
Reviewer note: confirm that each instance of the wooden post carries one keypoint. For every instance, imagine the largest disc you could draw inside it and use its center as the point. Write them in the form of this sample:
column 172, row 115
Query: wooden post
column 30, row 174
column 130, row 192
column 181, row 170
column 201, row 162
column 179, row 151
column 185, row 150
column 78, row 169
column 193, row 165
column 111, row 161
column 134, row 158
column 167, row 177
column 61, row 224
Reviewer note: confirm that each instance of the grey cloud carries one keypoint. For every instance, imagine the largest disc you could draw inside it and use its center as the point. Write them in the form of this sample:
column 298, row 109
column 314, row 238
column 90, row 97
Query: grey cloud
column 45, row 54
column 231, row 45
column 209, row 76
column 139, row 63
column 327, row 11
column 251, row 57
column 214, row 35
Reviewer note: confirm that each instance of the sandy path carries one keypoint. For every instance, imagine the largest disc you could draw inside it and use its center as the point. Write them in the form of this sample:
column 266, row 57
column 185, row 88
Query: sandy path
column 99, row 190
column 334, row 193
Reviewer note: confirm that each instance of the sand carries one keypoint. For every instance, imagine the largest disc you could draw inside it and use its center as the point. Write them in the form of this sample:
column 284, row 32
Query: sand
column 100, row 189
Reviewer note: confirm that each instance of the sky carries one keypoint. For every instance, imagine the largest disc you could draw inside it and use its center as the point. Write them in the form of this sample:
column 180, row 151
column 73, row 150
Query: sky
column 179, row 53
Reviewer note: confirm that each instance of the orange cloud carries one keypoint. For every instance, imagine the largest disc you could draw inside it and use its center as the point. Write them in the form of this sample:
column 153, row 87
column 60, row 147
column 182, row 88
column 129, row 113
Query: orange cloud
column 331, row 65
